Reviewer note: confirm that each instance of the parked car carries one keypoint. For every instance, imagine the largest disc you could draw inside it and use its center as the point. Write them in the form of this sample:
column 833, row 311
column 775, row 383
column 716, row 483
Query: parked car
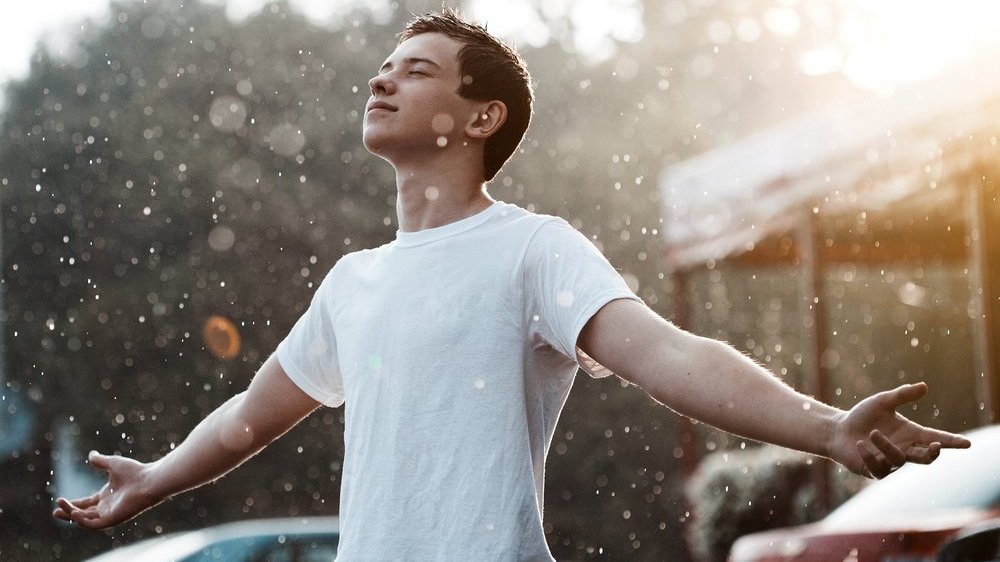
column 303, row 539
column 905, row 517
column 979, row 543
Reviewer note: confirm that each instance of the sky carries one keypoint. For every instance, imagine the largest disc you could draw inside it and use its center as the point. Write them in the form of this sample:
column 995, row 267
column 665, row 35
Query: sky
column 886, row 43
column 23, row 24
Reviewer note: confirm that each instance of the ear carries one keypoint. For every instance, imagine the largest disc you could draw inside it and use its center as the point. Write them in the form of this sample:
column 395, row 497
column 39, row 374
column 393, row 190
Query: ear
column 487, row 121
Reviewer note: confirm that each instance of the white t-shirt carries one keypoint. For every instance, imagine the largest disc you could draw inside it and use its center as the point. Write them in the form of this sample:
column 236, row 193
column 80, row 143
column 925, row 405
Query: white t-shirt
column 453, row 350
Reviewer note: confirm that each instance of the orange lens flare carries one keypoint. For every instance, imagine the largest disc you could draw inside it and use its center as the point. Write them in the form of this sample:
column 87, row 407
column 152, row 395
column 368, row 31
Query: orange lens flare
column 222, row 338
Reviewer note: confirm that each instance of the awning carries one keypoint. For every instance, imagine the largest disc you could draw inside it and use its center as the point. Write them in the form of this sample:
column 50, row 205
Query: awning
column 865, row 154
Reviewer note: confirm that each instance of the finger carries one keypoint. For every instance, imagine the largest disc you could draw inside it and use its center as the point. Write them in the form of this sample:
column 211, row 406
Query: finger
column 98, row 461
column 904, row 394
column 946, row 440
column 876, row 463
column 893, row 454
column 86, row 519
column 66, row 506
column 924, row 455
column 79, row 503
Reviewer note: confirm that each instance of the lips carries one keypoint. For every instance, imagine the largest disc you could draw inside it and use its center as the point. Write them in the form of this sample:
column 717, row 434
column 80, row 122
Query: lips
column 377, row 104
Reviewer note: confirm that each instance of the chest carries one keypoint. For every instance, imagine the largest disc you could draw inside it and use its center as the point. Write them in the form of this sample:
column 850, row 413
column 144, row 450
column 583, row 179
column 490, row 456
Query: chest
column 425, row 304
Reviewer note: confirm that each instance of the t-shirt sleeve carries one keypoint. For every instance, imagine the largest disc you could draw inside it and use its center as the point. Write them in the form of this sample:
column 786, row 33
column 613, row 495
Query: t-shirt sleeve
column 567, row 280
column 308, row 354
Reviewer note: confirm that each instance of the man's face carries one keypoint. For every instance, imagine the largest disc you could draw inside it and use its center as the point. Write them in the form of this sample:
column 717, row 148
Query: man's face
column 415, row 106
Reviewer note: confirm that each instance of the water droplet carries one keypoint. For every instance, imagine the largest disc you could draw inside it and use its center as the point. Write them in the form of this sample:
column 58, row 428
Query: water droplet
column 221, row 238
column 227, row 113
column 565, row 298
column 286, row 139
column 442, row 123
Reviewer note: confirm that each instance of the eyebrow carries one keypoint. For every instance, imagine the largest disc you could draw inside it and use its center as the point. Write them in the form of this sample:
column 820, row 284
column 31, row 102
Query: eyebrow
column 411, row 61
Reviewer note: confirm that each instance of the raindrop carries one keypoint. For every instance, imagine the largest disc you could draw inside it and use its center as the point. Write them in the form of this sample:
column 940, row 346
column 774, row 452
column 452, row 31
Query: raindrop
column 565, row 298
column 244, row 87
column 442, row 123
column 245, row 172
column 286, row 139
column 227, row 113
column 221, row 238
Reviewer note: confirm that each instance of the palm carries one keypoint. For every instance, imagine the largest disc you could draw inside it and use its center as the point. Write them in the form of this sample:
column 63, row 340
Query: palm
column 118, row 500
column 873, row 439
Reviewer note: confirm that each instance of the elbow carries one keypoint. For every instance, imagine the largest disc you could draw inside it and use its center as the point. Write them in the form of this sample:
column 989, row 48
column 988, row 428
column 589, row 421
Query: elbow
column 237, row 433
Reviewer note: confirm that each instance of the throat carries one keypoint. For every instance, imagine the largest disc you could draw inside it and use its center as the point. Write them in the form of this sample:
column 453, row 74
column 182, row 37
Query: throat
column 430, row 206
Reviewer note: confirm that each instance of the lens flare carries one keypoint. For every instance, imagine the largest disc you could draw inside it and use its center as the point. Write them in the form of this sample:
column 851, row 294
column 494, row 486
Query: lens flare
column 222, row 338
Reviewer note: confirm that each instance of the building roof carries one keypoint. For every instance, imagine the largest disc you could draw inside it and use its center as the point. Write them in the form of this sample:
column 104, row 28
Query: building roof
column 864, row 154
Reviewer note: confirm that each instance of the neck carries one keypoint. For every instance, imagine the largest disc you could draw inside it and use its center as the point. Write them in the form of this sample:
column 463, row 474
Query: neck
column 429, row 197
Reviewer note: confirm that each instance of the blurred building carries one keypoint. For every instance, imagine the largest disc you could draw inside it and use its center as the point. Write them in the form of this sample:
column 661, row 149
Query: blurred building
column 853, row 250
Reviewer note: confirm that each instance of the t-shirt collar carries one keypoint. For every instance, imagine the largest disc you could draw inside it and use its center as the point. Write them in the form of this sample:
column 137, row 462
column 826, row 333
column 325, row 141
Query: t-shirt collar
column 428, row 235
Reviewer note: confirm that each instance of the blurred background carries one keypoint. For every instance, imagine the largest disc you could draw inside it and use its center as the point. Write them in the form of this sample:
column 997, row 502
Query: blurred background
column 812, row 181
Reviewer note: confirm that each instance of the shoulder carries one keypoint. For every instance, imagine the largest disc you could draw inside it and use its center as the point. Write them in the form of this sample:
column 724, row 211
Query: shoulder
column 359, row 260
column 529, row 221
column 347, row 266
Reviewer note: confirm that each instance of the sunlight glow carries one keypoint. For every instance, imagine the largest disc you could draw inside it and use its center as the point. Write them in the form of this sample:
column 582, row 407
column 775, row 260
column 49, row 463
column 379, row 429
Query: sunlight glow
column 594, row 24
column 877, row 45
column 898, row 41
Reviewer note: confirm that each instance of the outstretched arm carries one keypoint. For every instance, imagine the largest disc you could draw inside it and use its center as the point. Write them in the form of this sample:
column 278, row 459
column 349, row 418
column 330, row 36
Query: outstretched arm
column 231, row 434
column 712, row 382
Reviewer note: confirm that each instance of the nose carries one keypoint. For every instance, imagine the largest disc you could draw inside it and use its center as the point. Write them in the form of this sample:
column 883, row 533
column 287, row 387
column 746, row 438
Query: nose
column 380, row 84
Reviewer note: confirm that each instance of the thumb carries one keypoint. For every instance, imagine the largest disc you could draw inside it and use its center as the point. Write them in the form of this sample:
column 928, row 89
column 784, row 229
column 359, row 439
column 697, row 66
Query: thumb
column 907, row 393
column 98, row 461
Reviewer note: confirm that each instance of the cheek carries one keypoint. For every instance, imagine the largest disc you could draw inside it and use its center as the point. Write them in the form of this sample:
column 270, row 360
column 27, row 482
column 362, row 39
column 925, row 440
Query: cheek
column 442, row 123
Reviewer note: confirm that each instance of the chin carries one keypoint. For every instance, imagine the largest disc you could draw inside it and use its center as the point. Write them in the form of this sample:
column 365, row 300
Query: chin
column 373, row 142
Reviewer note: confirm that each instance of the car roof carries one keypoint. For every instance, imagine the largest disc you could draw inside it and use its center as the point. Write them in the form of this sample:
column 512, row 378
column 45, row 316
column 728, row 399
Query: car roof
column 958, row 479
column 169, row 547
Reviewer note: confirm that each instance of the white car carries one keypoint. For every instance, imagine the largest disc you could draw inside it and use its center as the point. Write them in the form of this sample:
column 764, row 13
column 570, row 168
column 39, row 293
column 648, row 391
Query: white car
column 300, row 539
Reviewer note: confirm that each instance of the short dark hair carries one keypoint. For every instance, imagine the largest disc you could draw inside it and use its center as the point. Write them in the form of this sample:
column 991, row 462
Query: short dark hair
column 491, row 70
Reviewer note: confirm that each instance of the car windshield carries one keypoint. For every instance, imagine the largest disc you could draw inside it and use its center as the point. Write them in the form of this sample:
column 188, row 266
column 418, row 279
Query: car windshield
column 958, row 479
column 270, row 548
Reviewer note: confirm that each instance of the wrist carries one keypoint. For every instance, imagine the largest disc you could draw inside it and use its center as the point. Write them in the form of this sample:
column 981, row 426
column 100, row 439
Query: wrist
column 152, row 483
column 831, row 433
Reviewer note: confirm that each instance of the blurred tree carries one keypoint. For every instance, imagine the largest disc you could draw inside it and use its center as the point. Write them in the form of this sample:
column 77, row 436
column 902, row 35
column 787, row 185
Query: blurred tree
column 182, row 166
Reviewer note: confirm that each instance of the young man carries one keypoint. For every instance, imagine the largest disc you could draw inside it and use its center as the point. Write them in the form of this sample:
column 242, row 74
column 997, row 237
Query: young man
column 453, row 348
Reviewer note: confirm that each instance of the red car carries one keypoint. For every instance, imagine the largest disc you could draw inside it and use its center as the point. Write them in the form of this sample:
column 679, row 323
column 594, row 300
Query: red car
column 904, row 518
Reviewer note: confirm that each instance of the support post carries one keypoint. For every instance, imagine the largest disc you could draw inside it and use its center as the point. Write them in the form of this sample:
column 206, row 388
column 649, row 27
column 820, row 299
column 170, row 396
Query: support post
column 687, row 431
column 985, row 289
column 814, row 331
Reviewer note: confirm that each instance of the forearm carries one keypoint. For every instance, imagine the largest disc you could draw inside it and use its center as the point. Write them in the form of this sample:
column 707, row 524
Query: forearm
column 712, row 382
column 220, row 443
column 233, row 433
column 706, row 379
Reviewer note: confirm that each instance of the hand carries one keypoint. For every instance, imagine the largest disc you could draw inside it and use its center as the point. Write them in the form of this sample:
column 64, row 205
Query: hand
column 122, row 498
column 873, row 440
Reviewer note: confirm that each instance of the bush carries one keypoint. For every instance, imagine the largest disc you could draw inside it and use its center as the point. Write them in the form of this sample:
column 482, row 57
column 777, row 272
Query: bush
column 743, row 491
